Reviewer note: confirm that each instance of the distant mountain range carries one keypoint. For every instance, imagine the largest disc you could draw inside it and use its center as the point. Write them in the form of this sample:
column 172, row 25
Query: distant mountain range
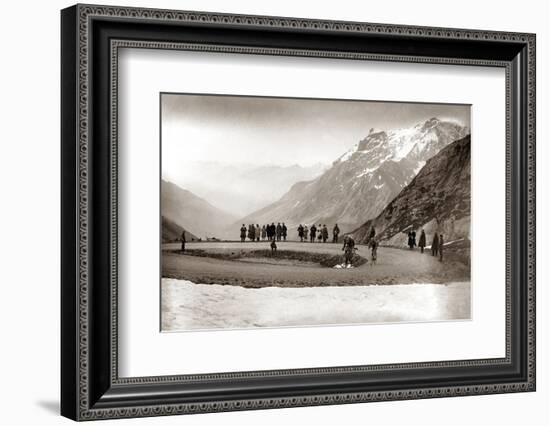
column 246, row 187
column 436, row 200
column 361, row 183
column 184, row 209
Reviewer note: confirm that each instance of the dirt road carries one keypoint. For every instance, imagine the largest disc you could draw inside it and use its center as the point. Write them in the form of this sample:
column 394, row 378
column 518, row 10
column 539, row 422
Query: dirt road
column 394, row 266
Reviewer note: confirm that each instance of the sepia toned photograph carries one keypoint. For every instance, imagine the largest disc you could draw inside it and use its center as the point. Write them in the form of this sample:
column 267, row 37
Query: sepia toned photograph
column 287, row 212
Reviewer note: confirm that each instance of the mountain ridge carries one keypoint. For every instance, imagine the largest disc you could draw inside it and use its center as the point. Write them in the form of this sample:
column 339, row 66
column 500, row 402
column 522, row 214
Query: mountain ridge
column 436, row 200
column 362, row 181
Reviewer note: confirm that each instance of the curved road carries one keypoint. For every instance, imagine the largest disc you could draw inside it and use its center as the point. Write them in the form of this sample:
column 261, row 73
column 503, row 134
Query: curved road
column 394, row 266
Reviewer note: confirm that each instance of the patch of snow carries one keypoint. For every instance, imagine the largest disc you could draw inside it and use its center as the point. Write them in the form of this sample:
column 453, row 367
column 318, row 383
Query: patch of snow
column 419, row 167
column 189, row 306
column 347, row 155
column 367, row 171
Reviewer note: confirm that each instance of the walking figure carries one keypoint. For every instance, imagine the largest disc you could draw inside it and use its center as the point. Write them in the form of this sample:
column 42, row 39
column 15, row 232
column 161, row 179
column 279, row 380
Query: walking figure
column 183, row 241
column 284, row 231
column 422, row 241
column 325, row 233
column 258, row 232
column 412, row 239
column 243, row 233
column 435, row 245
column 441, row 247
column 372, row 233
column 305, row 232
column 301, row 232
column 349, row 250
column 373, row 251
column 335, row 233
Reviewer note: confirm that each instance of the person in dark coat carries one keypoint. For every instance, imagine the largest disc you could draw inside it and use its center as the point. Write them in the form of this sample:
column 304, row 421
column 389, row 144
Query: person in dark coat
column 312, row 233
column 349, row 250
column 301, row 232
column 284, row 231
column 320, row 232
column 273, row 230
column 258, row 232
column 435, row 245
column 372, row 233
column 373, row 244
column 183, row 241
column 335, row 233
column 422, row 241
column 441, row 247
column 325, row 233
column 411, row 242
column 243, row 233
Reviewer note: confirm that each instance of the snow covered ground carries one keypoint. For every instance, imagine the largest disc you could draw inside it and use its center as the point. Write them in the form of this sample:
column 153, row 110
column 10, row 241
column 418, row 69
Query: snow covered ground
column 189, row 306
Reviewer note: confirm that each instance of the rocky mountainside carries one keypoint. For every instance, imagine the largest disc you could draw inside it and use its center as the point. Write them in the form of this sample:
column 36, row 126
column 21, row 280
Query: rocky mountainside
column 192, row 213
column 436, row 200
column 172, row 232
column 364, row 180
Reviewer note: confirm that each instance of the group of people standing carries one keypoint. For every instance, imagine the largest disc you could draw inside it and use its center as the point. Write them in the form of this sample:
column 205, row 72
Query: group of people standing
column 270, row 232
column 437, row 243
column 315, row 233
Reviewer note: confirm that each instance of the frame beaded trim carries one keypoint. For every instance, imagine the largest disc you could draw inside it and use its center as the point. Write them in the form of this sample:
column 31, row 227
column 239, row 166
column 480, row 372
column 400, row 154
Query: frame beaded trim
column 86, row 13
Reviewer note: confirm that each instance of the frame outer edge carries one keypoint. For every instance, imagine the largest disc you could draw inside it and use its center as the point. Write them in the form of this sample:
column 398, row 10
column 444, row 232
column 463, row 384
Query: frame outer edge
column 83, row 12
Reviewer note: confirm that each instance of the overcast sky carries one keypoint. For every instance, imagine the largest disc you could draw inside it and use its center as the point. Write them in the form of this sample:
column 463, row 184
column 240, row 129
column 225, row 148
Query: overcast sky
column 282, row 131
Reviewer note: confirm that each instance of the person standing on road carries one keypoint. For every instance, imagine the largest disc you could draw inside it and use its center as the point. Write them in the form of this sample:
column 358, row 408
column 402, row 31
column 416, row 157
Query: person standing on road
column 320, row 232
column 335, row 233
column 435, row 245
column 279, row 231
column 243, row 233
column 372, row 233
column 312, row 232
column 264, row 232
column 373, row 250
column 305, row 233
column 441, row 247
column 258, row 232
column 325, row 233
column 301, row 233
column 183, row 241
column 410, row 241
column 284, row 231
column 422, row 241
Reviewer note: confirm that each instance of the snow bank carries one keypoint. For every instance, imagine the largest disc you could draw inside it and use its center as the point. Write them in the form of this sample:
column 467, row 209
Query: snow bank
column 189, row 306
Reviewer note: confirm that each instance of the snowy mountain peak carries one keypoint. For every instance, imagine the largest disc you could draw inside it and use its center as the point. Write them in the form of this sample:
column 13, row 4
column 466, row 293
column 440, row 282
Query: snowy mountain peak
column 363, row 180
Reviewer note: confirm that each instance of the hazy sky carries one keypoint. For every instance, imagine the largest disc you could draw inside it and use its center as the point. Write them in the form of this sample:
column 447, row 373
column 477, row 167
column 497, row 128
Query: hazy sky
column 282, row 131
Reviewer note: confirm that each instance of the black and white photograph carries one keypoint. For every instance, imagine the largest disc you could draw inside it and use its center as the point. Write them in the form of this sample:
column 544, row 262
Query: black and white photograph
column 292, row 212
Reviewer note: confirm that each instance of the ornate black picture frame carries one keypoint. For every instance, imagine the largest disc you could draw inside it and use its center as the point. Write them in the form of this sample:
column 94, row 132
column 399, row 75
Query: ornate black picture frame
column 91, row 36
